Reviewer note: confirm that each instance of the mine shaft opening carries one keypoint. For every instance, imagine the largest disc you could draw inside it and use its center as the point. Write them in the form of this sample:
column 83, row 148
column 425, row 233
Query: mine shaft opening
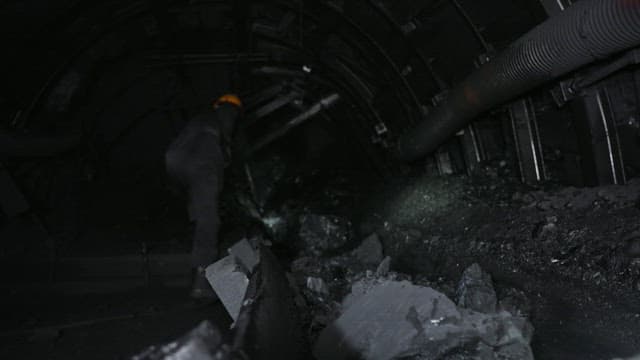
column 437, row 179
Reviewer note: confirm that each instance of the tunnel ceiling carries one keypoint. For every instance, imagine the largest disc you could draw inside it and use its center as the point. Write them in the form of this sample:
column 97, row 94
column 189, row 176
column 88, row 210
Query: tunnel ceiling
column 393, row 60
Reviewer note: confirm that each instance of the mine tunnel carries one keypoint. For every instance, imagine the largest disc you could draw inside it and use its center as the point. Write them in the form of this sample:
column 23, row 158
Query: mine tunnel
column 405, row 179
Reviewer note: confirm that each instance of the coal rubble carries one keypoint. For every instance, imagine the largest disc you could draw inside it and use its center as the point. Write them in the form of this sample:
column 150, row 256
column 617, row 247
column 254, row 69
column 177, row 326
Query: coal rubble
column 429, row 277
column 358, row 308
column 323, row 232
column 475, row 290
column 476, row 274
column 387, row 319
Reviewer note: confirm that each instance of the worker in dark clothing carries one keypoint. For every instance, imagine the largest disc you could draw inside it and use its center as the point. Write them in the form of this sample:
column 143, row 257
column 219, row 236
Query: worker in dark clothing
column 197, row 159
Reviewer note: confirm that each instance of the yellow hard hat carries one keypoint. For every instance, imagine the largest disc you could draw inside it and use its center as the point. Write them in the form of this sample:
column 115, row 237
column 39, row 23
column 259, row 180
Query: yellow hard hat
column 228, row 98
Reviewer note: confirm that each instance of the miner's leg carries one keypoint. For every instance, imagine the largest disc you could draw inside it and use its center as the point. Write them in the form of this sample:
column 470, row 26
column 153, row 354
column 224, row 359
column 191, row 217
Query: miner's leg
column 205, row 238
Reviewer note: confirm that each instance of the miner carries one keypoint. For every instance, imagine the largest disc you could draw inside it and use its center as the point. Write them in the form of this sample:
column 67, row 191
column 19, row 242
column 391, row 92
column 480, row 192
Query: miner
column 196, row 160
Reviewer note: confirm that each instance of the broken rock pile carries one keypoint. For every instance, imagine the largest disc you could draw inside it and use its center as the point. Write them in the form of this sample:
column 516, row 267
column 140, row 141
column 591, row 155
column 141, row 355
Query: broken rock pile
column 321, row 233
column 384, row 318
column 358, row 307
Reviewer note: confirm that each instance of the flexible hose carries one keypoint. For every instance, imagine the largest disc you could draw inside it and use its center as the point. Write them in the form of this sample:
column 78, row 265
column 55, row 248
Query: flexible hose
column 588, row 31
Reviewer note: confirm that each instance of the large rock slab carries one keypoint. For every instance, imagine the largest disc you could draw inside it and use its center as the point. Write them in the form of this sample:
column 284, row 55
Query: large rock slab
column 383, row 321
column 230, row 283
column 386, row 319
column 475, row 290
column 370, row 251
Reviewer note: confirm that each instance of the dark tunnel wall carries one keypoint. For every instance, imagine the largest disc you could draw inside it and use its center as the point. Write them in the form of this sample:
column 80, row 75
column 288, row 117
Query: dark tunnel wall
column 94, row 92
column 50, row 35
column 393, row 62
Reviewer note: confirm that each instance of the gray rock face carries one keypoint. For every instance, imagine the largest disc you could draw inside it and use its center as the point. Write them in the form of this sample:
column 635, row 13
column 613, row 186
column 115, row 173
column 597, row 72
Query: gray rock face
column 475, row 291
column 230, row 284
column 370, row 251
column 245, row 254
column 324, row 232
column 384, row 267
column 385, row 319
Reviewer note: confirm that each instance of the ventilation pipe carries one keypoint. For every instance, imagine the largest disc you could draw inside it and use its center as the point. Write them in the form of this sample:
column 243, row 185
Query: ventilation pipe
column 588, row 31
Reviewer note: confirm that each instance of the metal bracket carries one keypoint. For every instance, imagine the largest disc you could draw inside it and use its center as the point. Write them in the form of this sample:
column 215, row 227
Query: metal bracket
column 555, row 7
column 527, row 141
column 482, row 60
column 322, row 105
column 444, row 163
column 563, row 92
column 274, row 105
column 381, row 134
column 472, row 147
column 439, row 98
column 602, row 161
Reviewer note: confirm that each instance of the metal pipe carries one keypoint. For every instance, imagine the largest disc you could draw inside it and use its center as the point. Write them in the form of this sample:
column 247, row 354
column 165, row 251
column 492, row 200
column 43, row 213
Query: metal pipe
column 313, row 110
column 588, row 31
column 629, row 59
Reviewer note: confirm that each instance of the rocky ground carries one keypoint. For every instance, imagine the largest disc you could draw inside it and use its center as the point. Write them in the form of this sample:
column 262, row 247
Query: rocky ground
column 565, row 259
column 478, row 267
